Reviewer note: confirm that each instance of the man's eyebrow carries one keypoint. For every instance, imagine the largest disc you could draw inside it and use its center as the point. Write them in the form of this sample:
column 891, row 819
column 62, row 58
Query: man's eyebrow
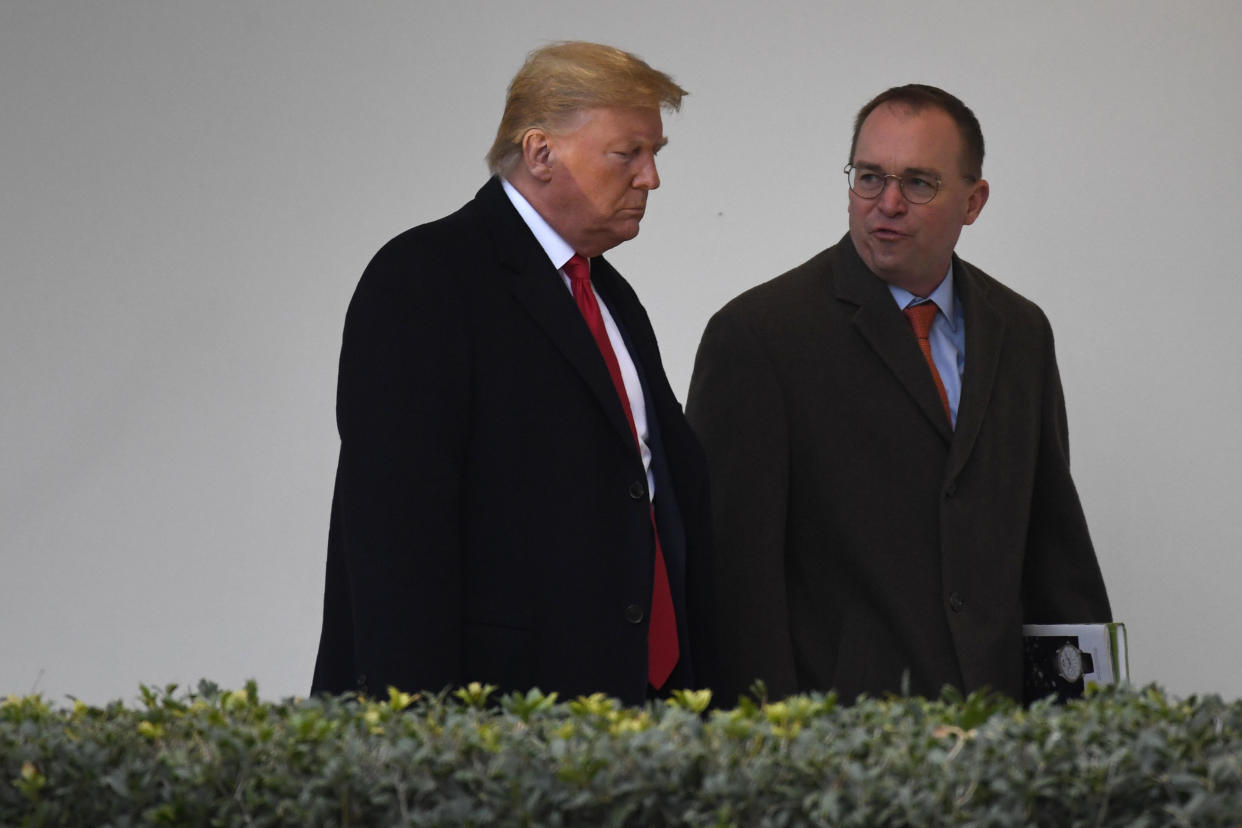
column 640, row 141
column 924, row 171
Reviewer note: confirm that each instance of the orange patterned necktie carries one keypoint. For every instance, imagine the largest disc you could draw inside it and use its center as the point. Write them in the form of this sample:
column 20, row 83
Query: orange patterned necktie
column 662, row 648
column 920, row 317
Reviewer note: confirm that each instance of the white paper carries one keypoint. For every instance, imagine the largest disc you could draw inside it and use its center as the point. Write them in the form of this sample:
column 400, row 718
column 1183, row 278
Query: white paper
column 1109, row 665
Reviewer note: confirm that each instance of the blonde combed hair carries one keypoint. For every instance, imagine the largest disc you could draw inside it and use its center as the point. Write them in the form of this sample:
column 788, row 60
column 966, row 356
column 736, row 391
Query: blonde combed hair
column 559, row 80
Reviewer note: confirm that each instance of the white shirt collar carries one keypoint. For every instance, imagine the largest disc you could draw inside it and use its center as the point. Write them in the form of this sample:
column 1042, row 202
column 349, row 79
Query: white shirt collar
column 558, row 249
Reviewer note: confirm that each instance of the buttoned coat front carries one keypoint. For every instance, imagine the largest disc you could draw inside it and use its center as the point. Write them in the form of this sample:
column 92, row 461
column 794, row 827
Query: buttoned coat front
column 491, row 519
column 861, row 543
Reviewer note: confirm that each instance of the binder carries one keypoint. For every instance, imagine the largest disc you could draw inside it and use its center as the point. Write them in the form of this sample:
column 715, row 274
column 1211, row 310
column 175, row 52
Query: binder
column 1062, row 659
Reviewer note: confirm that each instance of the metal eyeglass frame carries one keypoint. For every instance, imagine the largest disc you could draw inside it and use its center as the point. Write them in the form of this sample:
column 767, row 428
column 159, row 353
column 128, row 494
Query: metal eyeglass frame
column 901, row 185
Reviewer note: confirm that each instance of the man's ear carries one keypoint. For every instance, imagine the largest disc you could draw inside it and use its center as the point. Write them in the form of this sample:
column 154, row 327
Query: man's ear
column 537, row 153
column 974, row 203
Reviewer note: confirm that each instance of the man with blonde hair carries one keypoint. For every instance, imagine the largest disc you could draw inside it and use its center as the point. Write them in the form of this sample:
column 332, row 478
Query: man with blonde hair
column 519, row 499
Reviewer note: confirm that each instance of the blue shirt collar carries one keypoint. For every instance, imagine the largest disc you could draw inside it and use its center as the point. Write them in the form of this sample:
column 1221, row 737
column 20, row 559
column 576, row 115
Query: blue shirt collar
column 942, row 296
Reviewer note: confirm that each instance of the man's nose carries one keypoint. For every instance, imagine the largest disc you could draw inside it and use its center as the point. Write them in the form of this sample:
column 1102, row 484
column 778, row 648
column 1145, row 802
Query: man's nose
column 891, row 199
column 647, row 178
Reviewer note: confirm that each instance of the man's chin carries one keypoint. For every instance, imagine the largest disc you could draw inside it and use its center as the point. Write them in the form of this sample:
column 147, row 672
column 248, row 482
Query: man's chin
column 886, row 266
column 615, row 236
column 627, row 229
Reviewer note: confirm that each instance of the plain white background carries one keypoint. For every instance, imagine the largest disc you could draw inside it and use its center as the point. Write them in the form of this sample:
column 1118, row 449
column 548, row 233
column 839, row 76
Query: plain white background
column 190, row 191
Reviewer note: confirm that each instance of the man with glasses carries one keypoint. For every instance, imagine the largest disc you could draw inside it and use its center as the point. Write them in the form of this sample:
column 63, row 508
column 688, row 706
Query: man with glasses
column 887, row 443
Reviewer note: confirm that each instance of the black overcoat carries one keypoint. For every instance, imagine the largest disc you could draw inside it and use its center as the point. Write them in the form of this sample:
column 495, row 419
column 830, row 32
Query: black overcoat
column 490, row 520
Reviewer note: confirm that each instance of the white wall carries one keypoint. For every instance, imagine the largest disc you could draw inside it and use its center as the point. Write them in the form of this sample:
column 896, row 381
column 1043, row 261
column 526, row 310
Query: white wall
column 189, row 192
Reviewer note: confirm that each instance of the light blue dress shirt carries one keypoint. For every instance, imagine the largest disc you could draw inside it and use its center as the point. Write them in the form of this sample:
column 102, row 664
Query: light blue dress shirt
column 947, row 336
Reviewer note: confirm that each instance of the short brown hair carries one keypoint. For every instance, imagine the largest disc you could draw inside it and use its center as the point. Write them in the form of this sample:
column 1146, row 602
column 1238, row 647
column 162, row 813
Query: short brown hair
column 563, row 78
column 916, row 96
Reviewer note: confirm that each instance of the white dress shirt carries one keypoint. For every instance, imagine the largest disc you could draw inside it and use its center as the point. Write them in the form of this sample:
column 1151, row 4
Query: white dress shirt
column 559, row 252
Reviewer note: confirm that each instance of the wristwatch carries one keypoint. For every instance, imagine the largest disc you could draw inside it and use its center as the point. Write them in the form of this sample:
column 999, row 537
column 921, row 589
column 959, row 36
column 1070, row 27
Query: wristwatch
column 1068, row 660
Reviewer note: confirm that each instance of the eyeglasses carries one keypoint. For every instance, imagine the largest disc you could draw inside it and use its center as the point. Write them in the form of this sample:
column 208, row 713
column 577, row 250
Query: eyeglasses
column 916, row 189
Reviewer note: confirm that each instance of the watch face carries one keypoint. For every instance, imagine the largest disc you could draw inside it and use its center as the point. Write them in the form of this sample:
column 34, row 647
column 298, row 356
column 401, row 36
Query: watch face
column 1053, row 666
column 1069, row 662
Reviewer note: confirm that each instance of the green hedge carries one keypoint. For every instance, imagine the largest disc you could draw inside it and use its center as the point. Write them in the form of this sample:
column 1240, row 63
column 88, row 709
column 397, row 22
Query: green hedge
column 213, row 757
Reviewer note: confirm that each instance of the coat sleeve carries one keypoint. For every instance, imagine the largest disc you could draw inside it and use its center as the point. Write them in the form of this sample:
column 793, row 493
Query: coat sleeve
column 1061, row 577
column 736, row 408
column 402, row 411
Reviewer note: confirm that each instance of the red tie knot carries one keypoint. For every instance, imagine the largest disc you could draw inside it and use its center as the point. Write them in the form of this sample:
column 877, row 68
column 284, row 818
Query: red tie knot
column 921, row 317
column 578, row 268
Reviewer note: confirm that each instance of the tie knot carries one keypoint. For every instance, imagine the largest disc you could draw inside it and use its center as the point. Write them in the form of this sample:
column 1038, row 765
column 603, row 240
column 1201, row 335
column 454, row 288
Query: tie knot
column 578, row 268
column 921, row 317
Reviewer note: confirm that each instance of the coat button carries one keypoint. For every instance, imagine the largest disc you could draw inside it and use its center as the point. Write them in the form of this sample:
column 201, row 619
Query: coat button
column 637, row 490
column 956, row 602
column 362, row 680
column 950, row 490
column 634, row 614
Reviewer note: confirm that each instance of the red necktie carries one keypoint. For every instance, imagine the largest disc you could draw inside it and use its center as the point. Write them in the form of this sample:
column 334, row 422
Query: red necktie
column 921, row 317
column 662, row 649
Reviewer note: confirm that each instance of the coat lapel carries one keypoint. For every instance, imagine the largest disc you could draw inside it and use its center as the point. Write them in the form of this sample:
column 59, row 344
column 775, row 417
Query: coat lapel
column 631, row 320
column 985, row 333
column 537, row 285
column 879, row 321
